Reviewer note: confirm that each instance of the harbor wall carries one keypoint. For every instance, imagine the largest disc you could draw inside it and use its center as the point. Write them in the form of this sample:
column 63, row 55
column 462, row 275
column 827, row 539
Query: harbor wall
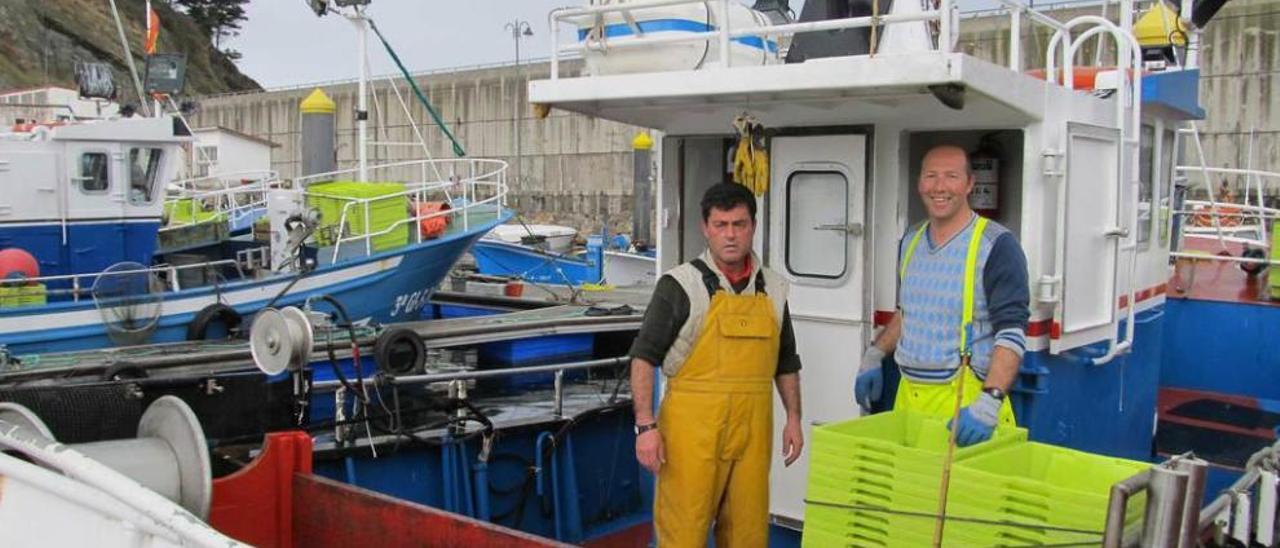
column 576, row 170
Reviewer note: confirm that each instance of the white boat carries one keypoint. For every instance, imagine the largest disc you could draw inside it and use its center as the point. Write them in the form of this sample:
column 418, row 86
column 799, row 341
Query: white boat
column 553, row 238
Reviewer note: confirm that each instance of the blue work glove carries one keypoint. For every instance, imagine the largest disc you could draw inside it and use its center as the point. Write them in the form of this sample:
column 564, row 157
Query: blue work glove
column 869, row 385
column 977, row 421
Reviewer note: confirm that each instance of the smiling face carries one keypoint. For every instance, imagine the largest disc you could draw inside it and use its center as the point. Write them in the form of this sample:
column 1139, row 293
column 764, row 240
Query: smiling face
column 945, row 183
column 729, row 234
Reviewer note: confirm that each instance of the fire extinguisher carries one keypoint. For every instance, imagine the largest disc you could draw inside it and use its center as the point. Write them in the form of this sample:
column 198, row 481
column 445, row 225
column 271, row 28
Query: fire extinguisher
column 985, row 164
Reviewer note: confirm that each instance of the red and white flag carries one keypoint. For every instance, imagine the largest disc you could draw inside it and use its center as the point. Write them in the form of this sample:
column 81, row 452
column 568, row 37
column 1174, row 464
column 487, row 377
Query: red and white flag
column 153, row 30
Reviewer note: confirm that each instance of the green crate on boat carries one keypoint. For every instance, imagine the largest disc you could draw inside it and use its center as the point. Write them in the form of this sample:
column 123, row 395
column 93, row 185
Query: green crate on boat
column 1035, row 483
column 387, row 207
column 188, row 211
column 898, row 438
column 1273, row 274
column 14, row 296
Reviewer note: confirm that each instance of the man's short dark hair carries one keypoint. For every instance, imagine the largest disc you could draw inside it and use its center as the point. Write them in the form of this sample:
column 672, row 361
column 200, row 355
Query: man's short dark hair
column 726, row 196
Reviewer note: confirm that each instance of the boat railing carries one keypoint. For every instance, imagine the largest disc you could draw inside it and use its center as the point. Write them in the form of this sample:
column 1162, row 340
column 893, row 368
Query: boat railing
column 946, row 33
column 1217, row 218
column 557, row 370
column 234, row 195
column 1247, row 511
column 80, row 285
column 466, row 185
column 585, row 16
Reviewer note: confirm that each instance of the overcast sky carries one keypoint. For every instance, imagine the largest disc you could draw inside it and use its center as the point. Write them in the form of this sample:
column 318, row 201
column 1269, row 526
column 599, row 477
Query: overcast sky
column 284, row 43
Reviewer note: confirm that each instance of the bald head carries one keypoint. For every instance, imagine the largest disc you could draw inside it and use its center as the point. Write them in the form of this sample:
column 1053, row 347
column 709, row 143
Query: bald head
column 949, row 154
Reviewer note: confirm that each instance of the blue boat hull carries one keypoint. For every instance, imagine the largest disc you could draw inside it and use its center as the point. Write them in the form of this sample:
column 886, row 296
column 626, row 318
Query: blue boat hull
column 384, row 287
column 504, row 259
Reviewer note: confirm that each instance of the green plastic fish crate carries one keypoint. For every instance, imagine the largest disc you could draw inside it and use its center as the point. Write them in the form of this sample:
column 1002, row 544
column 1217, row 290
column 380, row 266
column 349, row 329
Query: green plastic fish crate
column 187, row 211
column 331, row 199
column 1273, row 274
column 898, row 439
column 1034, row 483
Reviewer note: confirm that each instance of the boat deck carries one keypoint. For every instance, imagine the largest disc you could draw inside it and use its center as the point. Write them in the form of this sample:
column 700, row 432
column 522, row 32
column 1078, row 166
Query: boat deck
column 540, row 318
column 1215, row 280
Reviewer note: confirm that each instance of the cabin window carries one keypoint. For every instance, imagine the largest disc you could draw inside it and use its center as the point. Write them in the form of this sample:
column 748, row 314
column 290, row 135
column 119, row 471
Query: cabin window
column 144, row 165
column 94, row 172
column 1167, row 154
column 817, row 218
column 1146, row 167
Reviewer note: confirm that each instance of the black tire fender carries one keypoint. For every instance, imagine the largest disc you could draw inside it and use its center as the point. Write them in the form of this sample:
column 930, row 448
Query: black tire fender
column 199, row 326
column 399, row 351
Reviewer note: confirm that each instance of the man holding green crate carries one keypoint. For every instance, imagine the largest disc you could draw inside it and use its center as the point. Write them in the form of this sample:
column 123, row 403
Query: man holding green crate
column 962, row 309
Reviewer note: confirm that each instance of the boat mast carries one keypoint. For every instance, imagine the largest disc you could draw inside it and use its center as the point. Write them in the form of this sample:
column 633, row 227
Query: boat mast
column 128, row 56
column 362, row 109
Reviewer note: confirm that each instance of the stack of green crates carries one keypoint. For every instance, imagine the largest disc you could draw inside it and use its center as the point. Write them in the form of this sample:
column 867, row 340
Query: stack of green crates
column 15, row 296
column 331, row 198
column 1035, row 483
column 889, row 461
column 874, row 481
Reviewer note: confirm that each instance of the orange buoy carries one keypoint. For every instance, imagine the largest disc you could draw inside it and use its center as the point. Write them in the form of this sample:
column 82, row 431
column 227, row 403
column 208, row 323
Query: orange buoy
column 432, row 226
column 16, row 263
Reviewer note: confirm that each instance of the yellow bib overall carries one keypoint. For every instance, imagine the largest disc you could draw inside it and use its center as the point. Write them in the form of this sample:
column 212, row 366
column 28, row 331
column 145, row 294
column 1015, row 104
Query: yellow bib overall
column 938, row 399
column 716, row 422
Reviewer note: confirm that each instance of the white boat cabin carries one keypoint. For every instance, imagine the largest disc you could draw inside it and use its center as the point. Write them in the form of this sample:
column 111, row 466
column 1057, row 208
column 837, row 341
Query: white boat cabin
column 1076, row 176
column 83, row 196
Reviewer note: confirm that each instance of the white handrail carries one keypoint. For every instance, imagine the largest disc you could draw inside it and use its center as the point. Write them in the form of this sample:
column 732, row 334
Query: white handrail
column 491, row 176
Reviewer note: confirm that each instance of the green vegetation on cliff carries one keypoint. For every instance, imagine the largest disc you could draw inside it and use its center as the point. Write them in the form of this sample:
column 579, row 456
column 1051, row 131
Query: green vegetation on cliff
column 42, row 40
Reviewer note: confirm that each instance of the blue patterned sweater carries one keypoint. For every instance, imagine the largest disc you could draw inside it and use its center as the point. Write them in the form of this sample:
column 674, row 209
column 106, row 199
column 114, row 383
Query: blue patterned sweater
column 931, row 298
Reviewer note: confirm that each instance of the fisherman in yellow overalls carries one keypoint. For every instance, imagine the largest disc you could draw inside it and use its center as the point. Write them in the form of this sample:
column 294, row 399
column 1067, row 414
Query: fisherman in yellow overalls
column 963, row 298
column 719, row 328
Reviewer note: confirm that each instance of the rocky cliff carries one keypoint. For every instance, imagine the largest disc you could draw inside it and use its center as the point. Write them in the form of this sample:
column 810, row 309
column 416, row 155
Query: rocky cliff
column 42, row 40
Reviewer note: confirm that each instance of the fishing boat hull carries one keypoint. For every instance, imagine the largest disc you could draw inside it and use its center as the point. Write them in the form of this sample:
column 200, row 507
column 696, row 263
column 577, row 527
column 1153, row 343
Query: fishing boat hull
column 505, row 259
column 383, row 287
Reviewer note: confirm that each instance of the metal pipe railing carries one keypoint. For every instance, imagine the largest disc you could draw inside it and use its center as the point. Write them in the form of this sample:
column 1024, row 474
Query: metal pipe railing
column 433, row 378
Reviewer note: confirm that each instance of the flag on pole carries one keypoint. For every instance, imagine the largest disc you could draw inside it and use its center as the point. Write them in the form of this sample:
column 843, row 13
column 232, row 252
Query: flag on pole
column 153, row 30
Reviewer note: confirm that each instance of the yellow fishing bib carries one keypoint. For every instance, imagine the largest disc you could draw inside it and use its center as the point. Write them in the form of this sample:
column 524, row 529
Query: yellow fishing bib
column 937, row 399
column 716, row 422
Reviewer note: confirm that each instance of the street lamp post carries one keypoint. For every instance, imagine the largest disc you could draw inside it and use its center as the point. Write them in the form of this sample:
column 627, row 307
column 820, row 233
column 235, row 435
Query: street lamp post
column 519, row 29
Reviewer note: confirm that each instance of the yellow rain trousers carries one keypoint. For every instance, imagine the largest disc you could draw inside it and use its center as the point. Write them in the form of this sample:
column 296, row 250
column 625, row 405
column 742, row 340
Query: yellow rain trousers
column 716, row 422
column 939, row 399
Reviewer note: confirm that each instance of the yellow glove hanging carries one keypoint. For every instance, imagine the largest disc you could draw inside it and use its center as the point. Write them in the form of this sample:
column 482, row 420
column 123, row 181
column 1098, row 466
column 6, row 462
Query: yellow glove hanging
column 750, row 159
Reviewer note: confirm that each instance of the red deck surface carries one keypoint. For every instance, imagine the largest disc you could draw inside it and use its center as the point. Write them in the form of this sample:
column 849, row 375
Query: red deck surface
column 1213, row 280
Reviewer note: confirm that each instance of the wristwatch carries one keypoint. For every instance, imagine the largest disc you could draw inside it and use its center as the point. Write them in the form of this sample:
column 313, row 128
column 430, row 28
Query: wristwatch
column 995, row 393
column 642, row 428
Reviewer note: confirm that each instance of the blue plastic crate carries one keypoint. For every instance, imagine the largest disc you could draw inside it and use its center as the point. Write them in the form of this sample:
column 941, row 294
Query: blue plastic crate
column 448, row 311
column 535, row 351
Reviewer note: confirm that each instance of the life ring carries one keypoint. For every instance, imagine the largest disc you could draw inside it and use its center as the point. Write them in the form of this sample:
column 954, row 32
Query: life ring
column 199, row 326
column 399, row 351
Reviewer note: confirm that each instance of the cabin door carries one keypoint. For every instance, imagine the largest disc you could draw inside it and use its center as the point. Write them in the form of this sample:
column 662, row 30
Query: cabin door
column 816, row 240
column 1090, row 230
column 95, row 206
